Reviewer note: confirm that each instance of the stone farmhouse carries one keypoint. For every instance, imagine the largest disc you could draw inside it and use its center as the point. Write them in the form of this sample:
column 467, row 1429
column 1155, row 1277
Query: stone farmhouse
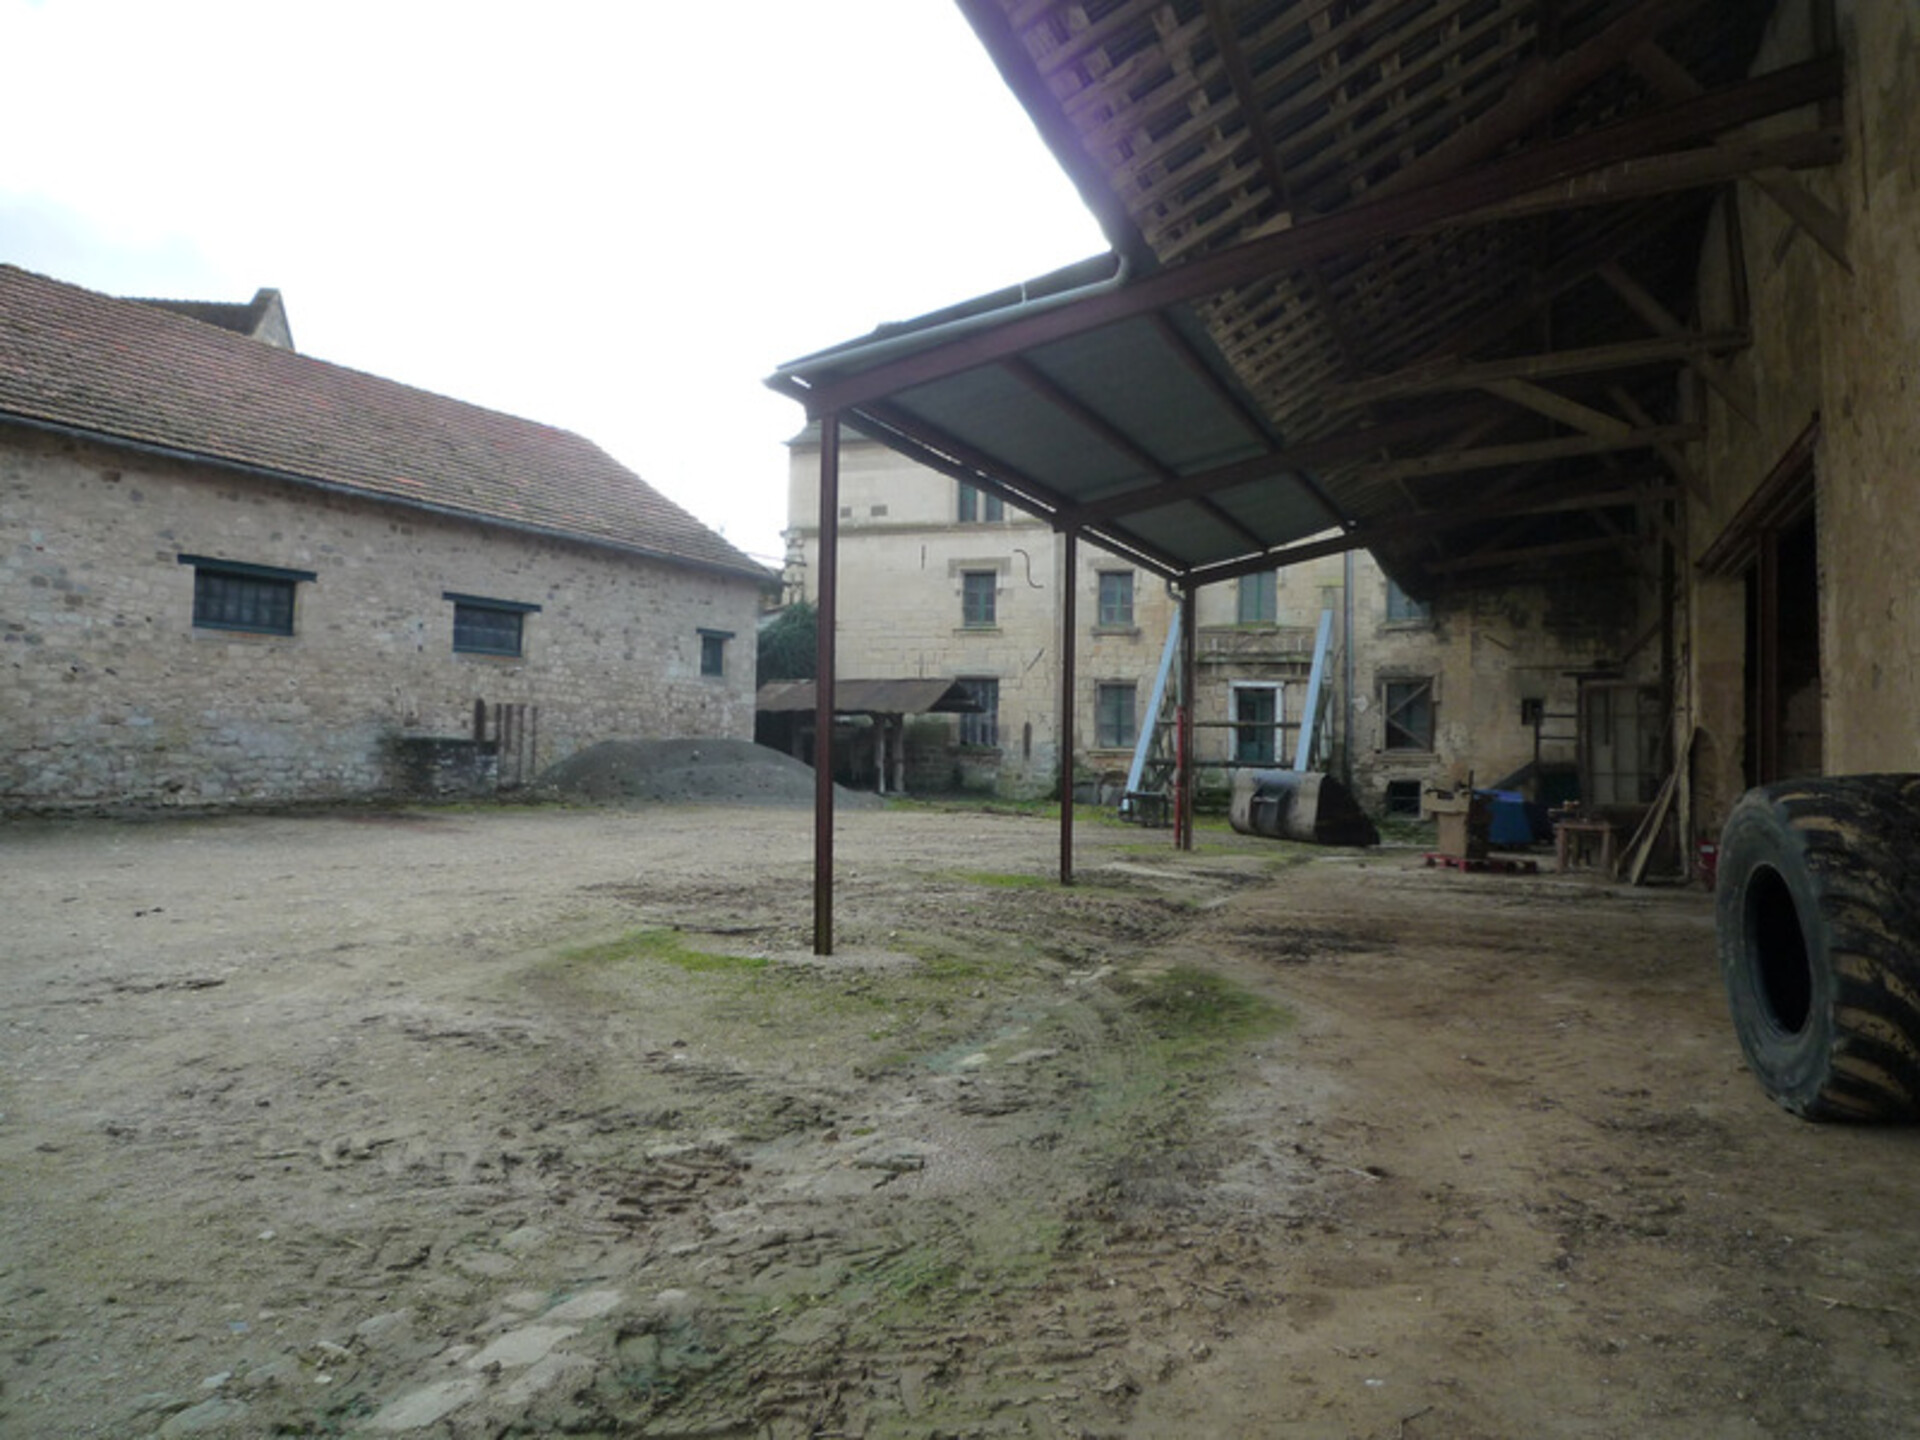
column 940, row 580
column 231, row 573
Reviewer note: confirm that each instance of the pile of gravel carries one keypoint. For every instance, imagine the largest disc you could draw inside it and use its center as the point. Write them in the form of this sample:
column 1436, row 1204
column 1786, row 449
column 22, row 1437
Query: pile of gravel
column 691, row 772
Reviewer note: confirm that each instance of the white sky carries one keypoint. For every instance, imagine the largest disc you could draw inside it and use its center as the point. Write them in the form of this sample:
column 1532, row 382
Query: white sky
column 616, row 218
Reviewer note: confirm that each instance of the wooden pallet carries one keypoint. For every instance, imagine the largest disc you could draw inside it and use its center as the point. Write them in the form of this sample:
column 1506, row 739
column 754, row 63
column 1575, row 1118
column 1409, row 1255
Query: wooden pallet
column 1492, row 864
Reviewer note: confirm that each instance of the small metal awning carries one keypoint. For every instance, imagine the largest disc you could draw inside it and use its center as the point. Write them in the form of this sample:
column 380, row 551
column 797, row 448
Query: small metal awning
column 870, row 697
column 1103, row 431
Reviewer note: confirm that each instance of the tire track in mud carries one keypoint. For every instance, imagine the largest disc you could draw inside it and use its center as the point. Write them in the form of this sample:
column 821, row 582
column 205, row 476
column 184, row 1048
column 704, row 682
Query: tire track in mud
column 918, row 1298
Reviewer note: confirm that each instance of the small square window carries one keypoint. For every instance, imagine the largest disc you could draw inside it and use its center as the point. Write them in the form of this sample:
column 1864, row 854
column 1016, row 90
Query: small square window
column 977, row 505
column 1116, row 600
column 713, row 651
column 978, row 589
column 488, row 627
column 1403, row 609
column 230, row 595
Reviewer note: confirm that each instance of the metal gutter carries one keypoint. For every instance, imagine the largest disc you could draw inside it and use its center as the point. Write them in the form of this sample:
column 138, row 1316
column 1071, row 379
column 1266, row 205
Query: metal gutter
column 909, row 337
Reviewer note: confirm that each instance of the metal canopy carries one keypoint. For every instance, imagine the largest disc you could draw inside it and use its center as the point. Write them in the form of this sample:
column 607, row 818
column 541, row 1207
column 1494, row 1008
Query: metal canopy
column 1090, row 419
column 1419, row 275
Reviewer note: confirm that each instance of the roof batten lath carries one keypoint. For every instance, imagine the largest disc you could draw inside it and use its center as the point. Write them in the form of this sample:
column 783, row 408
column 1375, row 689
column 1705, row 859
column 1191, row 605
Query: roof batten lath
column 1319, row 172
column 1111, row 28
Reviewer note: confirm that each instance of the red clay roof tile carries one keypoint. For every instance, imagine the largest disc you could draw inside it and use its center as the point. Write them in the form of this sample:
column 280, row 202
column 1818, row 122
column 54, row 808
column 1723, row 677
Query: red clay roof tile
column 136, row 372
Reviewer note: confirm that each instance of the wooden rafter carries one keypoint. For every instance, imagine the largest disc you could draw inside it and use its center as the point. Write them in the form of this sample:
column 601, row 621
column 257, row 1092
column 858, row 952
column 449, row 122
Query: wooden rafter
column 1554, row 550
column 1436, row 378
column 1360, row 225
column 1494, row 456
column 1537, row 94
column 1827, row 226
column 1555, row 406
column 1344, row 448
column 1387, row 532
column 1662, row 321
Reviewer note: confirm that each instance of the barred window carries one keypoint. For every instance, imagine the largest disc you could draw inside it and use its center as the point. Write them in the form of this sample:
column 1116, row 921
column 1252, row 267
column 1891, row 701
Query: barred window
column 482, row 626
column 233, row 595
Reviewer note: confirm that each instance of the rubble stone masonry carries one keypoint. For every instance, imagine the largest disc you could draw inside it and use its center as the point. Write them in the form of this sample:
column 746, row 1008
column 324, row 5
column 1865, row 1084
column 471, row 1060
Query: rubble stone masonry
column 109, row 693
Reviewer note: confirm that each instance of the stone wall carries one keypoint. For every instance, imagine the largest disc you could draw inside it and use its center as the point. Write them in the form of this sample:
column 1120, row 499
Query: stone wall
column 1485, row 653
column 110, row 694
column 902, row 554
column 1840, row 345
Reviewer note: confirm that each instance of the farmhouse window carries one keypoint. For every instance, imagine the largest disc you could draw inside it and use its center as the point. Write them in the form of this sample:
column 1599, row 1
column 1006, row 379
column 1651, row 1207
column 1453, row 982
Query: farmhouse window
column 1256, row 716
column 977, row 591
column 1409, row 714
column 487, row 627
column 1116, row 599
column 232, row 595
column 977, row 505
column 1259, row 599
column 1113, row 725
column 983, row 727
column 713, row 651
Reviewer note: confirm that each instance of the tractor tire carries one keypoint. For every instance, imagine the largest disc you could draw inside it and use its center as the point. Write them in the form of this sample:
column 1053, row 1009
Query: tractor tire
column 1817, row 908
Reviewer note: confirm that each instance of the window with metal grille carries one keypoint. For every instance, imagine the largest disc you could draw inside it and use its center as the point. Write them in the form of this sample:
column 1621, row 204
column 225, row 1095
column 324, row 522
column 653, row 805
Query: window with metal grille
column 713, row 651
column 1409, row 714
column 232, row 595
column 977, row 592
column 1113, row 724
column 982, row 728
column 482, row 626
column 1403, row 798
column 977, row 505
column 1116, row 600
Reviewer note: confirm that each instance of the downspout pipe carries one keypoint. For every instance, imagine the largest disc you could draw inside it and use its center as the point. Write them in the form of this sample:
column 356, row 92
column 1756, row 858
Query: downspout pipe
column 824, row 617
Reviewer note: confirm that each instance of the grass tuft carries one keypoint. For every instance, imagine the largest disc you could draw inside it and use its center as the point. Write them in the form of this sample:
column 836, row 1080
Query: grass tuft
column 667, row 947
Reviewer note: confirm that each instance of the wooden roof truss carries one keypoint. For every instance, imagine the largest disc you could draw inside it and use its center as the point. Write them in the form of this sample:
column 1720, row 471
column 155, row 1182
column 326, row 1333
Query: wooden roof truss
column 1384, row 208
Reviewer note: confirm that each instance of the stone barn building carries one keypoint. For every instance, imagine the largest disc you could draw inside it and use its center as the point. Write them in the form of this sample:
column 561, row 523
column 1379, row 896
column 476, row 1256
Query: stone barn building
column 232, row 573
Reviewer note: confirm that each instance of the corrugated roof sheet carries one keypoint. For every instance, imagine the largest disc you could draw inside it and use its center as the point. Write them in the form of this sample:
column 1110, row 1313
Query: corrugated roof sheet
column 125, row 371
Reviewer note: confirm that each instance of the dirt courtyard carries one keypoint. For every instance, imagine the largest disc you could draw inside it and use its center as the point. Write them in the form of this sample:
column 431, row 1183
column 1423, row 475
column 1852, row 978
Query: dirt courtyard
column 543, row 1121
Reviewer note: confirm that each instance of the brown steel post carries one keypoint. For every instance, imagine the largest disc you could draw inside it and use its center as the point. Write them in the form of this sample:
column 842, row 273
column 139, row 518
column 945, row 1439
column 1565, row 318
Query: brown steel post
column 1068, row 594
column 1189, row 617
column 1766, row 752
column 823, row 613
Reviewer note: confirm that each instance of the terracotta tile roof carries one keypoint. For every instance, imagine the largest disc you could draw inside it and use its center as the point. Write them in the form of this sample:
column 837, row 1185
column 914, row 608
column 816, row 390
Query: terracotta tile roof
column 127, row 371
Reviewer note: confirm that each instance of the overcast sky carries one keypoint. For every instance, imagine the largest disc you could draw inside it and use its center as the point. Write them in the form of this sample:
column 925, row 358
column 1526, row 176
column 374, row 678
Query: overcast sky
column 616, row 218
